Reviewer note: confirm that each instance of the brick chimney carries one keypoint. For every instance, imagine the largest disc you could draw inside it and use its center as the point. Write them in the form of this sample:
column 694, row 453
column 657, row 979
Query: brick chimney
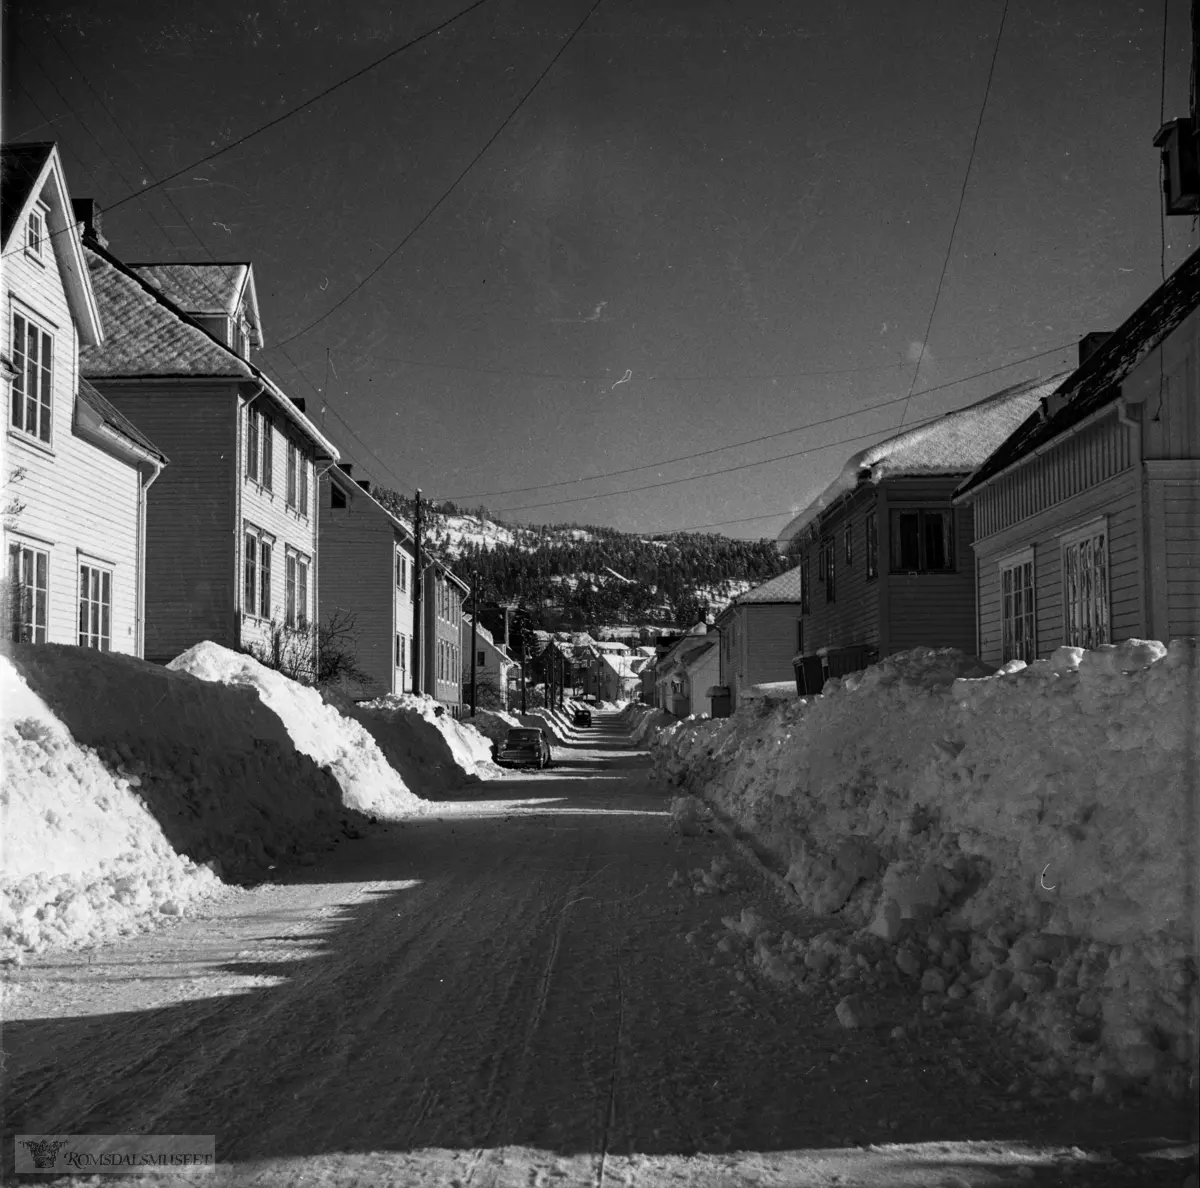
column 346, row 468
column 1089, row 344
column 365, row 484
column 87, row 215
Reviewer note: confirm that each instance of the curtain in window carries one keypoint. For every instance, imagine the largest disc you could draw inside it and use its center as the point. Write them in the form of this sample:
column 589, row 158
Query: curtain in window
column 1085, row 591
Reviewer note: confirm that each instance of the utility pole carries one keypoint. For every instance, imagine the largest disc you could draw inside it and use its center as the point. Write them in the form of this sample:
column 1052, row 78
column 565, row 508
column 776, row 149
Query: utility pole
column 474, row 635
column 418, row 582
column 524, row 662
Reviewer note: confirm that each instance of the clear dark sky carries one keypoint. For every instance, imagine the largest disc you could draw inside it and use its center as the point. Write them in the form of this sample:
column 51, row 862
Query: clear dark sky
column 743, row 207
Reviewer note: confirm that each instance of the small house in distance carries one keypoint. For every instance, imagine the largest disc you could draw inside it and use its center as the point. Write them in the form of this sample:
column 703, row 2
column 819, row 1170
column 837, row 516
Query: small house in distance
column 1087, row 517
column 885, row 560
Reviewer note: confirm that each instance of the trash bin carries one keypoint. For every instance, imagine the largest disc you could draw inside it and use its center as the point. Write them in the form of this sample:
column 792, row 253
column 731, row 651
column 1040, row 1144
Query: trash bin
column 721, row 700
column 810, row 674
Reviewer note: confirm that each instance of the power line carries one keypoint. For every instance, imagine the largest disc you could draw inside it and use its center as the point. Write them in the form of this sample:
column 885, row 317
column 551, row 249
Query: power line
column 962, row 194
column 711, row 473
column 300, row 106
column 756, row 440
column 453, row 185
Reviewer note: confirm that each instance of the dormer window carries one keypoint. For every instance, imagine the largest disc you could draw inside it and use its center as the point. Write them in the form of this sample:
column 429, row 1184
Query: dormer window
column 35, row 232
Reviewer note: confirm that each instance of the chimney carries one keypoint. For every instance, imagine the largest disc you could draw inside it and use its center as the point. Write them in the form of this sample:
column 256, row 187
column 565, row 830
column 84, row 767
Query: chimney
column 1089, row 344
column 298, row 401
column 346, row 468
column 365, row 484
column 87, row 213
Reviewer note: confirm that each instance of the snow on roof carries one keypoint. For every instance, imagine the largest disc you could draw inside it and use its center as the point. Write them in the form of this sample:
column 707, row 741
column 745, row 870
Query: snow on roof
column 784, row 588
column 955, row 443
column 1097, row 381
column 199, row 288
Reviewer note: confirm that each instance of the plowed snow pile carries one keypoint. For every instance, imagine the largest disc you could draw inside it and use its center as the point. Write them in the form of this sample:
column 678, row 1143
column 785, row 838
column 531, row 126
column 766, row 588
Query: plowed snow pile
column 494, row 724
column 431, row 749
column 82, row 857
column 316, row 729
column 1023, row 843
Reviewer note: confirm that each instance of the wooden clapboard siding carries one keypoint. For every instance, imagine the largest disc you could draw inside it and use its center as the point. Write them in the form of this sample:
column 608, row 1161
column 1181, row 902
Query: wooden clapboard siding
column 1116, row 498
column 770, row 642
column 77, row 502
column 190, row 531
column 852, row 618
column 358, row 577
column 1173, row 517
column 1066, row 469
column 437, row 627
column 935, row 610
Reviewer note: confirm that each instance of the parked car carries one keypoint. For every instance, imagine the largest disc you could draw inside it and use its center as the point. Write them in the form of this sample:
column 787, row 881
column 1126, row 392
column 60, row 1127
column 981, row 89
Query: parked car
column 524, row 746
column 583, row 717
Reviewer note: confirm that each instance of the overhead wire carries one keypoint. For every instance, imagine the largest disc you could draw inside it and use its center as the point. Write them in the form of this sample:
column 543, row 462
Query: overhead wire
column 453, row 185
column 962, row 194
column 764, row 437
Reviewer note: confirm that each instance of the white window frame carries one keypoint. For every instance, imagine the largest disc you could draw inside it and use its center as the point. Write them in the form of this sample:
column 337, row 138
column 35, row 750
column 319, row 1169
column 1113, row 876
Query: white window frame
column 297, row 571
column 401, row 571
column 39, row 218
column 1086, row 605
column 1018, row 639
column 260, row 448
column 43, row 402
column 96, row 580
column 31, row 628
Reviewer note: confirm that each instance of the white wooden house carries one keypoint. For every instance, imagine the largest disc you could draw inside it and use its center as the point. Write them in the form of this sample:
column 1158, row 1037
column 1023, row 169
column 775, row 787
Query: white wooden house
column 76, row 471
column 232, row 530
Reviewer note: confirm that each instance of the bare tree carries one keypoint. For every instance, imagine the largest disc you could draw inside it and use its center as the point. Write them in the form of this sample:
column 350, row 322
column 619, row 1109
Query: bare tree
column 320, row 654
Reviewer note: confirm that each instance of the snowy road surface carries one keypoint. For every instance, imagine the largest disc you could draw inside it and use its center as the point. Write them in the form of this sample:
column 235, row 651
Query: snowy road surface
column 502, row 994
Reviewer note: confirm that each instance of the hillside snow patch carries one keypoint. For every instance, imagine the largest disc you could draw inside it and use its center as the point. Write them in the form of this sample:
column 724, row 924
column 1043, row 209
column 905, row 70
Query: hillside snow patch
column 81, row 856
column 369, row 783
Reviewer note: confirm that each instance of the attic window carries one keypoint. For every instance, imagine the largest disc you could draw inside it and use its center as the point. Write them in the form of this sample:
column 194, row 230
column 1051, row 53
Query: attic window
column 35, row 232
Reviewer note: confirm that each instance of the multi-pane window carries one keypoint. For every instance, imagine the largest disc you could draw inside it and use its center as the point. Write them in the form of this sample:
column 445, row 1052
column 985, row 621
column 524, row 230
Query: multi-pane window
column 1018, row 626
column 260, row 448
column 95, row 607
column 1085, row 587
column 28, row 575
column 33, row 361
column 872, row 527
column 922, row 541
column 268, row 452
column 828, row 559
column 252, row 446
column 401, row 651
column 35, row 232
column 401, row 572
column 297, row 479
column 296, row 590
column 256, row 574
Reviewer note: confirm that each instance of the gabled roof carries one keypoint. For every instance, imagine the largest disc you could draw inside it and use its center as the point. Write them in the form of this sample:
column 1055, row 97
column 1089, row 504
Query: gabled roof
column 206, row 287
column 1097, row 382
column 32, row 171
column 955, row 443
column 149, row 337
column 117, row 421
column 784, row 588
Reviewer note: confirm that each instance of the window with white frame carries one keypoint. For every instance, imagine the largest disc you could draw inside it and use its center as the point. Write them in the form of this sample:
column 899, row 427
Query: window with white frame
column 252, row 444
column 1018, row 624
column 297, row 479
column 95, row 607
column 260, row 448
column 35, row 232
column 29, row 578
column 296, row 566
column 1085, row 585
column 33, row 384
column 401, row 651
column 401, row 572
column 256, row 573
column 267, row 433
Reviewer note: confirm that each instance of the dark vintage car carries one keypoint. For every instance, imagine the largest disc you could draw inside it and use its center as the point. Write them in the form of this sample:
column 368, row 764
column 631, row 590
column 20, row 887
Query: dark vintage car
column 583, row 717
column 524, row 746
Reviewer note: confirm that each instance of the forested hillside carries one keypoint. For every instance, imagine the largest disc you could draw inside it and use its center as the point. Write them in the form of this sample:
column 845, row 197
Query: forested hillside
column 584, row 575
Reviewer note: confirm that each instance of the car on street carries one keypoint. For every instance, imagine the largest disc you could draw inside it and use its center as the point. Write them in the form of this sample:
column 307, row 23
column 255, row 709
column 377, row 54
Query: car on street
column 583, row 717
column 524, row 746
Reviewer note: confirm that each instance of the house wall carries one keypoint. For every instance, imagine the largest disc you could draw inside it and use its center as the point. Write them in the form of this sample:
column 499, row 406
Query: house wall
column 1167, row 384
column 190, row 539
column 446, row 688
column 771, row 633
column 357, row 578
column 70, row 498
column 702, row 674
column 266, row 508
column 1174, row 521
column 852, row 618
column 402, row 615
column 1117, row 498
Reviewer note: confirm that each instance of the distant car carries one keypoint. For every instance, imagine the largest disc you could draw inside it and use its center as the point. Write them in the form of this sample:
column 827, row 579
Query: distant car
column 524, row 746
column 583, row 717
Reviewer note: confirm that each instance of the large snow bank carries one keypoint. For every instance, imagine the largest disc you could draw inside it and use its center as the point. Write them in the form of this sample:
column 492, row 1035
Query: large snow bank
column 431, row 749
column 494, row 724
column 1026, row 840
column 82, row 856
column 646, row 720
column 316, row 729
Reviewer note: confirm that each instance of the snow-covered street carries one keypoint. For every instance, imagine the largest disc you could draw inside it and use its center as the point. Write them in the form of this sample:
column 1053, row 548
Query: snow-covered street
column 509, row 990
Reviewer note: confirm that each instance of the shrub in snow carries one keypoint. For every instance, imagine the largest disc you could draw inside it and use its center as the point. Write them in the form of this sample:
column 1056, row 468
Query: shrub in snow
column 314, row 727
column 83, row 858
column 1022, row 837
